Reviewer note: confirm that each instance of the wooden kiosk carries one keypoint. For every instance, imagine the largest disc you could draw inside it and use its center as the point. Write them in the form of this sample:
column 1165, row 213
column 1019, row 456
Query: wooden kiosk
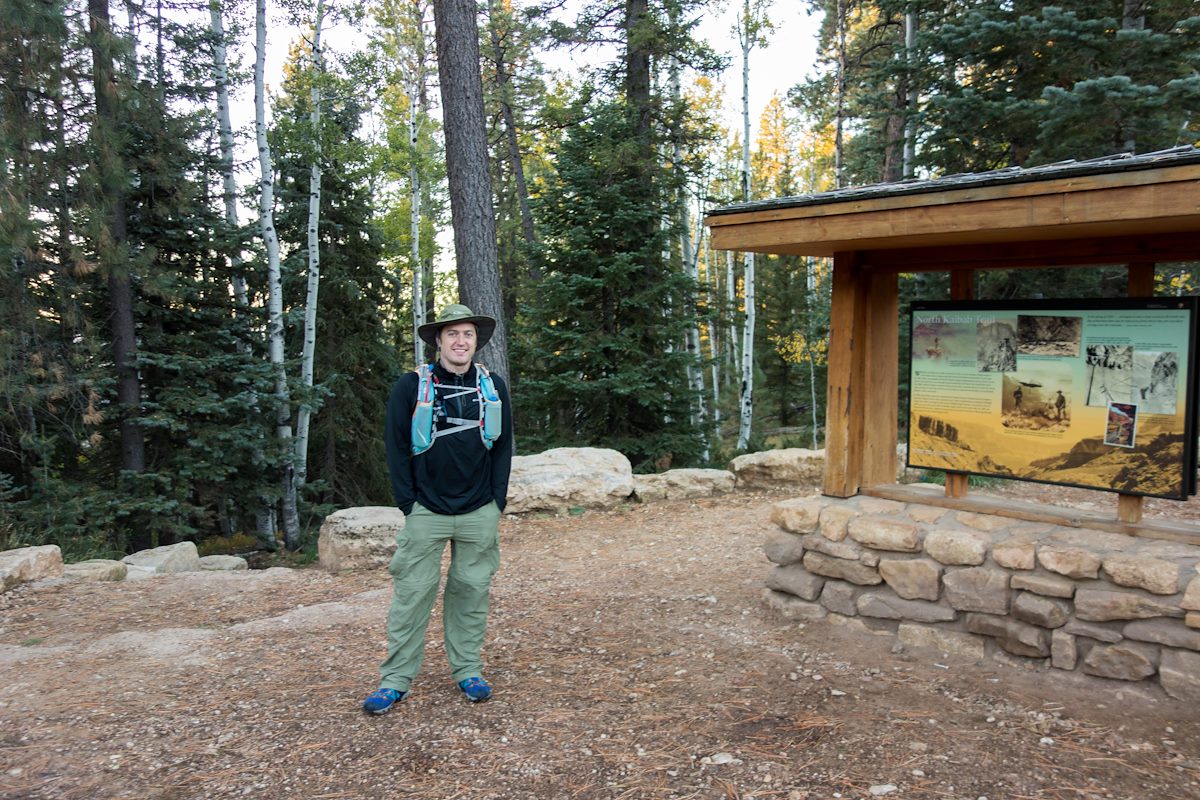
column 1136, row 210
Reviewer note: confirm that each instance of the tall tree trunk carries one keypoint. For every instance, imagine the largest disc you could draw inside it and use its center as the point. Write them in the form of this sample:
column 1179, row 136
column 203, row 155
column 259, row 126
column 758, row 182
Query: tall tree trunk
column 637, row 67
column 467, row 170
column 910, row 59
column 734, row 337
column 839, row 166
column 746, row 395
column 308, row 356
column 810, row 346
column 266, row 222
column 68, row 299
column 414, row 225
column 746, row 405
column 160, row 60
column 695, row 371
column 426, row 107
column 132, row 11
column 1133, row 19
column 711, row 286
column 225, row 128
column 113, row 252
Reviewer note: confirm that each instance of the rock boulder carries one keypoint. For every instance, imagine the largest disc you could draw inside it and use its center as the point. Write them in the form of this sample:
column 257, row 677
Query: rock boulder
column 97, row 569
column 223, row 563
column 180, row 557
column 359, row 538
column 29, row 564
column 569, row 477
column 676, row 484
column 769, row 469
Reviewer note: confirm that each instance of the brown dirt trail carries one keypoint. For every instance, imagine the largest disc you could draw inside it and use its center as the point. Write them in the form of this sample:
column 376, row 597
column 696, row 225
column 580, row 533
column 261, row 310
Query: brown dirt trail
column 632, row 658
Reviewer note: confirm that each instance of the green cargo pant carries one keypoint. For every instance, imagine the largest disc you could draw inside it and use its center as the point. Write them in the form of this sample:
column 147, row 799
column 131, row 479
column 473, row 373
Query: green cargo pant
column 416, row 571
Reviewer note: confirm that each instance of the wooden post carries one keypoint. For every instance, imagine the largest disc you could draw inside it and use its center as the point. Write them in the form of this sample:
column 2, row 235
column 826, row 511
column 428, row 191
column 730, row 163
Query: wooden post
column 962, row 284
column 845, row 394
column 1129, row 508
column 956, row 484
column 1141, row 280
column 1141, row 284
column 881, row 373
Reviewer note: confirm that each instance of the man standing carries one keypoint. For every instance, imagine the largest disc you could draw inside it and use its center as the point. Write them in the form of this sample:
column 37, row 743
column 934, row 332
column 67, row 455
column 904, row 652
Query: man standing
column 449, row 452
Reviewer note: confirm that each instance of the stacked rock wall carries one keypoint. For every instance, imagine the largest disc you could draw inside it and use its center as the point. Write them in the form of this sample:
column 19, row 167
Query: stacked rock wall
column 1106, row 604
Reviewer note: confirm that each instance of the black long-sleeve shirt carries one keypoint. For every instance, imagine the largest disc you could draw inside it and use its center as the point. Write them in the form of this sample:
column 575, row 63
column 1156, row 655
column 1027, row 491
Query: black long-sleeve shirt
column 458, row 474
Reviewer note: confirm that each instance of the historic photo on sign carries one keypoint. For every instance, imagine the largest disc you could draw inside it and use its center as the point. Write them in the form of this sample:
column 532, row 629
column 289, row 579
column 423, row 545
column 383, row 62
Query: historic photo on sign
column 996, row 346
column 1048, row 335
column 1109, row 374
column 1154, row 376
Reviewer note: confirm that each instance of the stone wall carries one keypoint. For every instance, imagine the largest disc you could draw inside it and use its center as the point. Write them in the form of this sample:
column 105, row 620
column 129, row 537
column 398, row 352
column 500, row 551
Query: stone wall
column 1105, row 604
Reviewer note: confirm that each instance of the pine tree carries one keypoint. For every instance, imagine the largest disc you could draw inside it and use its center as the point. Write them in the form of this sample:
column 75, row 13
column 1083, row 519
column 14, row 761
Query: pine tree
column 1038, row 84
column 197, row 381
column 601, row 366
column 203, row 377
column 45, row 394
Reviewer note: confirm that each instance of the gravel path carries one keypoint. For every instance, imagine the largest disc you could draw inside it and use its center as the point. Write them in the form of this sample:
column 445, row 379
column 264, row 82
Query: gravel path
column 632, row 658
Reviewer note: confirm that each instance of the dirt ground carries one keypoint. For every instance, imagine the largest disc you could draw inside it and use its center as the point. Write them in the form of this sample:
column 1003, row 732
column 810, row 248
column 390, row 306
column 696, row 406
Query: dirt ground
column 632, row 657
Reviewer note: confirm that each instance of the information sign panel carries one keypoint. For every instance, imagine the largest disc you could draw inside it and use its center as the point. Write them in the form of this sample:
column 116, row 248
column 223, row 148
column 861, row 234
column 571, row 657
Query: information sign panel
column 1098, row 394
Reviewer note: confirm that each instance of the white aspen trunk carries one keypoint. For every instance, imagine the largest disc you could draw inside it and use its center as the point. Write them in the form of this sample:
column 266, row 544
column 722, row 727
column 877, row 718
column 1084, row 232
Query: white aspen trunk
column 746, row 396
column 811, row 350
column 266, row 221
column 225, row 134
column 308, row 355
column 714, row 353
column 691, row 261
column 131, row 14
column 425, row 55
column 746, row 406
column 910, row 133
column 812, row 386
column 414, row 202
column 840, row 101
column 735, row 335
column 716, row 379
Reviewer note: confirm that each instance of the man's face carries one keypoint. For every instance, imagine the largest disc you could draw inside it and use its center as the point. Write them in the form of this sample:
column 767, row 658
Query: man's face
column 457, row 344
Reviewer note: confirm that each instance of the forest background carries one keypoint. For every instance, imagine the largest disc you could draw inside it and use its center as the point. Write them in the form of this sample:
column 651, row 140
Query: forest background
column 169, row 371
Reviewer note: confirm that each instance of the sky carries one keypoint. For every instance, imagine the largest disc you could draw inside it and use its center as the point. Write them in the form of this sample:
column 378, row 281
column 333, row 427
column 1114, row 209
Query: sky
column 788, row 57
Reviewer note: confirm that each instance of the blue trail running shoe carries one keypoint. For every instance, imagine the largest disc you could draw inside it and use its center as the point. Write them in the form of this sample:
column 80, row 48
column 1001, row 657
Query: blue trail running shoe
column 476, row 689
column 381, row 700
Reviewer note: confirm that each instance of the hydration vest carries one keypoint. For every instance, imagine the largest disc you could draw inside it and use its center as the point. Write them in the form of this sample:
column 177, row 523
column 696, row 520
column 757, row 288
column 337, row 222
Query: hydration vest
column 423, row 429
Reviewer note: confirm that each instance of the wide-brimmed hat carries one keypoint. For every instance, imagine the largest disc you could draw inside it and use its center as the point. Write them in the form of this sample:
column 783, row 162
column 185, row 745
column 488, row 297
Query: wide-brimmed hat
column 453, row 314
